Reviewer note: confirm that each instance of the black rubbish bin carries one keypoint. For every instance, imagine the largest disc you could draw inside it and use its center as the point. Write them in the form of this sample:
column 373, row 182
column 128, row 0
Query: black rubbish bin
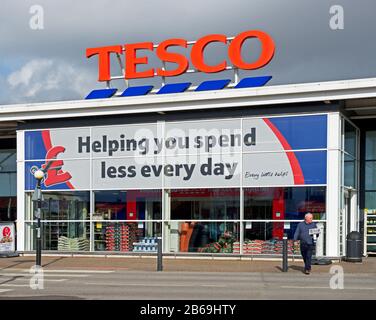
column 354, row 247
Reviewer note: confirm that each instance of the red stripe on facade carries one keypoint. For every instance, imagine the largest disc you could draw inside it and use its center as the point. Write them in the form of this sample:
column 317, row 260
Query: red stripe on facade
column 46, row 139
column 70, row 186
column 294, row 163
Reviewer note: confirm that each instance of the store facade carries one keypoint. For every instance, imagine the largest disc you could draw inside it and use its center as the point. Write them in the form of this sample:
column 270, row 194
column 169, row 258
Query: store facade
column 230, row 182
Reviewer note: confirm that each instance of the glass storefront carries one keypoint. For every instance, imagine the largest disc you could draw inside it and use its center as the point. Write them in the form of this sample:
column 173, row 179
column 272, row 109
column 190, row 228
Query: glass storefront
column 284, row 203
column 370, row 170
column 128, row 205
column 61, row 205
column 61, row 236
column 201, row 220
column 126, row 236
column 266, row 237
column 204, row 187
column 204, row 237
column 202, row 204
column 8, row 190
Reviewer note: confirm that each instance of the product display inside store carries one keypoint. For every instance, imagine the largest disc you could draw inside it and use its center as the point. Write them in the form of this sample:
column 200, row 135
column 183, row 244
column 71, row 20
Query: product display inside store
column 194, row 220
column 126, row 236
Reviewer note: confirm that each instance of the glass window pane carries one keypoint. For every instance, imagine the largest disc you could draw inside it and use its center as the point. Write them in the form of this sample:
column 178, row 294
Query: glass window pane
column 266, row 238
column 284, row 203
column 203, row 237
column 350, row 139
column 370, row 200
column 61, row 205
column 205, row 204
column 370, row 175
column 126, row 236
column 128, row 205
column 371, row 145
column 61, row 236
column 349, row 173
column 8, row 161
column 73, row 205
column 8, row 208
column 8, row 186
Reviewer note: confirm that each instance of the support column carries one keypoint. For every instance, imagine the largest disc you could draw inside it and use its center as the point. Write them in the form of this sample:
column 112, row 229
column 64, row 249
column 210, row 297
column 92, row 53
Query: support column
column 278, row 213
column 21, row 213
column 132, row 205
column 333, row 191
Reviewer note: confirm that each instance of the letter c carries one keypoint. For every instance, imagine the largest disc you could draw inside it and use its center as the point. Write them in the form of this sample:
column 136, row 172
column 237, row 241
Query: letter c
column 197, row 53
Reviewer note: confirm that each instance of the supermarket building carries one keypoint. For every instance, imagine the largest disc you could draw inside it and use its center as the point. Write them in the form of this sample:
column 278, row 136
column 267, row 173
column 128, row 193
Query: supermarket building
column 213, row 172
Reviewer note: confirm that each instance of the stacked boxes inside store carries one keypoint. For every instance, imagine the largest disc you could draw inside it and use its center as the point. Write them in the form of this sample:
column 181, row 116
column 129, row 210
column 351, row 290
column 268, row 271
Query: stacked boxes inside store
column 236, row 247
column 223, row 245
column 253, row 247
column 120, row 236
column 148, row 244
column 273, row 246
column 73, row 244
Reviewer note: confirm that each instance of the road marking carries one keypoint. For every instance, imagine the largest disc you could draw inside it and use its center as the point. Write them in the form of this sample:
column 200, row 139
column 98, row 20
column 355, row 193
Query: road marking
column 346, row 288
column 28, row 285
column 60, row 271
column 213, row 285
column 153, row 285
column 45, row 275
column 15, row 285
column 5, row 290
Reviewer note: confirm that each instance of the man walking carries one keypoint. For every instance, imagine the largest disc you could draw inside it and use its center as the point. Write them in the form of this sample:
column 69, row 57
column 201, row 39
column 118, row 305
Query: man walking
column 307, row 243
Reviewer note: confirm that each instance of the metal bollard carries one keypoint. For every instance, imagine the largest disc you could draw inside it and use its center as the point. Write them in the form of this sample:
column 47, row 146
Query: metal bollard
column 284, row 254
column 159, row 254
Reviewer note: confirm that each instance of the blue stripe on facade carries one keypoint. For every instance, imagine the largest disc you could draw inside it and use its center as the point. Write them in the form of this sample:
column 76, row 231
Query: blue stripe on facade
column 213, row 85
column 101, row 93
column 174, row 88
column 136, row 91
column 250, row 82
column 253, row 82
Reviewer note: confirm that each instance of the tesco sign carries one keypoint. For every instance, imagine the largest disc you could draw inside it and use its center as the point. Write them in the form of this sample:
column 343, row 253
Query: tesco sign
column 133, row 59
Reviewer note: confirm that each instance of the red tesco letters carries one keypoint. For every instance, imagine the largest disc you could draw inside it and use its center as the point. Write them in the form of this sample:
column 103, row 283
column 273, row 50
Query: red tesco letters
column 133, row 59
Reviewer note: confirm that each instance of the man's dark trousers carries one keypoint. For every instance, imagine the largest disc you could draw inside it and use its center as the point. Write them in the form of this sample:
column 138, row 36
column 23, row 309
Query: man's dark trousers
column 307, row 251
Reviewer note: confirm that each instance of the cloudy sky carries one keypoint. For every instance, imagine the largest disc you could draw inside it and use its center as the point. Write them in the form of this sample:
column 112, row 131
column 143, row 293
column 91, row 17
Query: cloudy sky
column 49, row 64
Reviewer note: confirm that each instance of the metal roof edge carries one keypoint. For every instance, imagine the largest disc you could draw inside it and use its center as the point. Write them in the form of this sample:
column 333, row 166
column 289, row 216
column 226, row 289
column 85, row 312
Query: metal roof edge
column 277, row 94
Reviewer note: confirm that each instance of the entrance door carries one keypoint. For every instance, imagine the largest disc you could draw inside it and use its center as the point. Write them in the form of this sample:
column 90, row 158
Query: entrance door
column 349, row 217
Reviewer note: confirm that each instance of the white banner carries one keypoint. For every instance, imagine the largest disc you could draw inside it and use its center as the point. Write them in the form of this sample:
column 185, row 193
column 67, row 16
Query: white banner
column 7, row 237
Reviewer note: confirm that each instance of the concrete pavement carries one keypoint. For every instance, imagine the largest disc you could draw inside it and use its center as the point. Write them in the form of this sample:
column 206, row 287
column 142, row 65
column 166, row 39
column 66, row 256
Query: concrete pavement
column 140, row 285
column 182, row 279
column 177, row 265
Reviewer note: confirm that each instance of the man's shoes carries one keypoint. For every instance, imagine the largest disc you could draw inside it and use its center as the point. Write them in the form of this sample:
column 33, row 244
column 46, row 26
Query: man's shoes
column 307, row 271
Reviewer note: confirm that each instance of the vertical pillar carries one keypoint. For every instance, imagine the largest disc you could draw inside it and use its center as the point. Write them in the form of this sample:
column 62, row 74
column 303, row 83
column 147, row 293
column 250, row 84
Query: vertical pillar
column 166, row 217
column 132, row 205
column 278, row 212
column 241, row 240
column 333, row 191
column 21, row 212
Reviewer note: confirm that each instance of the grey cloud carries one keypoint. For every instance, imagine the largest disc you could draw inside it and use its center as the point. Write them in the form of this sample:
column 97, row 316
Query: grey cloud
column 307, row 49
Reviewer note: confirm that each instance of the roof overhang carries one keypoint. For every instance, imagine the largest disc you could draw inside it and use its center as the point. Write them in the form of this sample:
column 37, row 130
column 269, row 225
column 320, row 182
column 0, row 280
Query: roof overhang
column 268, row 95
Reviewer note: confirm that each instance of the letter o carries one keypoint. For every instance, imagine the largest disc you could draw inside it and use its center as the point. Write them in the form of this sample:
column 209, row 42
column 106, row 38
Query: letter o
column 267, row 51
